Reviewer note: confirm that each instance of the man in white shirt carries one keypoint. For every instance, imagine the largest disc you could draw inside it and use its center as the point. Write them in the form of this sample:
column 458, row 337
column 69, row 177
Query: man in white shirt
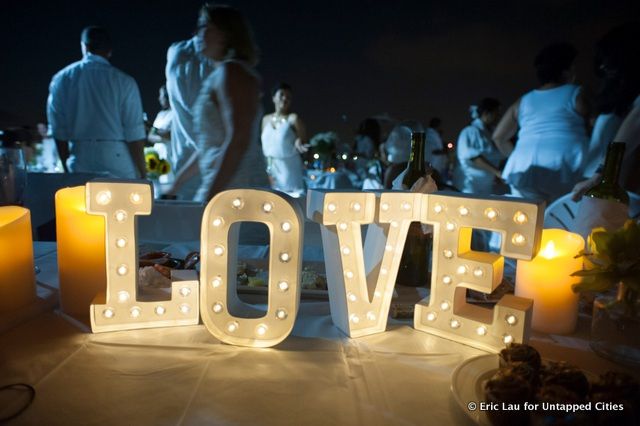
column 186, row 70
column 97, row 108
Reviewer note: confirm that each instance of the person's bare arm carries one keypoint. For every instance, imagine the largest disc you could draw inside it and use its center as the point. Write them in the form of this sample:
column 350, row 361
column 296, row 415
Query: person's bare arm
column 187, row 171
column 482, row 163
column 63, row 153
column 301, row 131
column 238, row 96
column 136, row 149
column 506, row 129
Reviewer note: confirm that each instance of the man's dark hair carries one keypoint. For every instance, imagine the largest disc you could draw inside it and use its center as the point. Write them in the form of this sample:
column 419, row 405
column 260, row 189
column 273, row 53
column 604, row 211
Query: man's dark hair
column 96, row 38
column 280, row 86
column 488, row 105
column 553, row 60
column 435, row 122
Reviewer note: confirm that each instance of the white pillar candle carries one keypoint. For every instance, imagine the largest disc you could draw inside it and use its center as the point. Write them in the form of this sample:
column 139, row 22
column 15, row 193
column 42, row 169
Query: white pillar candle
column 17, row 278
column 81, row 252
column 547, row 280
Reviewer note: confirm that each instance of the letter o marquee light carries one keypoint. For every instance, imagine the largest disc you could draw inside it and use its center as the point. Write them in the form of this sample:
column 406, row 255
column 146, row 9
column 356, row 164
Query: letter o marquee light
column 219, row 244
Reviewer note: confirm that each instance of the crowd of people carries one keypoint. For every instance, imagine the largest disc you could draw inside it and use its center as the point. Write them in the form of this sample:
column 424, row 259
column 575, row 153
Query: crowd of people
column 214, row 133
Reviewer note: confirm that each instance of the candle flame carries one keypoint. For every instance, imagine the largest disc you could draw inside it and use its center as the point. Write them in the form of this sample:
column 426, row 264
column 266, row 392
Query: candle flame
column 549, row 251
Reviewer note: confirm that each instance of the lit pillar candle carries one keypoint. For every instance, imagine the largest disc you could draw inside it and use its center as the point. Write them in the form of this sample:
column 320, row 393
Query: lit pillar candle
column 17, row 278
column 81, row 252
column 547, row 280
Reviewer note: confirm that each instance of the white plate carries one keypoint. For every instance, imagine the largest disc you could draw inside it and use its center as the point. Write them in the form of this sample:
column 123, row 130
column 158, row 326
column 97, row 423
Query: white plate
column 467, row 384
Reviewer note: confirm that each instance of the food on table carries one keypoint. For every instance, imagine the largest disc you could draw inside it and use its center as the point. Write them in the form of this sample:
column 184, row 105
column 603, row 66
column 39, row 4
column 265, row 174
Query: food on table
column 507, row 389
column 566, row 376
column 518, row 353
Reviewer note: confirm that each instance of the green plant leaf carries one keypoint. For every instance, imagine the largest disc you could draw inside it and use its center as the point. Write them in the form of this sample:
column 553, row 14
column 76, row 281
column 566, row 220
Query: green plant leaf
column 601, row 240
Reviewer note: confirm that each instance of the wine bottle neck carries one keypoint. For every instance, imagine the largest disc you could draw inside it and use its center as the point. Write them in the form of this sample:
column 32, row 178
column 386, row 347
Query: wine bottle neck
column 416, row 158
column 613, row 163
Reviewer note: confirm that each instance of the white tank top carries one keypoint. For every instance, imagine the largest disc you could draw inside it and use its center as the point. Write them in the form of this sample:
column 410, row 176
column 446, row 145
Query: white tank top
column 279, row 142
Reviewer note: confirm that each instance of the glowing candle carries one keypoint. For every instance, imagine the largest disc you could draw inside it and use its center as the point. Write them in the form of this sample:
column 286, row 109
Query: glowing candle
column 81, row 252
column 547, row 280
column 17, row 278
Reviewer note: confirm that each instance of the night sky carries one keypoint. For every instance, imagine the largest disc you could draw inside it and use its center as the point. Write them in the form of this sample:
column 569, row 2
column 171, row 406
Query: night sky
column 345, row 60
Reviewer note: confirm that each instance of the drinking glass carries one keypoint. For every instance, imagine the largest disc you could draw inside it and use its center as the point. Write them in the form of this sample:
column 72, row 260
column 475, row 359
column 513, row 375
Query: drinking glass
column 13, row 176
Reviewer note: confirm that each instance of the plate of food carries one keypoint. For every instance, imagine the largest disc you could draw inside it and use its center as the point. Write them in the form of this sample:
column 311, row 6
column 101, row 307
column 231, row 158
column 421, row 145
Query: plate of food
column 517, row 387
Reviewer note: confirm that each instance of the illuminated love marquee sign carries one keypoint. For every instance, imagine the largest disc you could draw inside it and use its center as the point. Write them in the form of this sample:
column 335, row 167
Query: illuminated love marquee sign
column 360, row 276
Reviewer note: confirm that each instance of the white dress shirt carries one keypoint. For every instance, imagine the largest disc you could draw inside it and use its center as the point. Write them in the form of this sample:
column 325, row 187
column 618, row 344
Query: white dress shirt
column 185, row 72
column 98, row 108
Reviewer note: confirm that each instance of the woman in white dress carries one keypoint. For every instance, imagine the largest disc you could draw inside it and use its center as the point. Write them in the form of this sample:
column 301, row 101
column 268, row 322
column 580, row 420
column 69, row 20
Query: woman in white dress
column 227, row 111
column 283, row 136
column 547, row 158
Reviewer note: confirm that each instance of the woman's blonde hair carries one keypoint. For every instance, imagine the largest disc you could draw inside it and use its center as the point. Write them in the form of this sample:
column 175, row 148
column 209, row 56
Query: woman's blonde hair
column 236, row 28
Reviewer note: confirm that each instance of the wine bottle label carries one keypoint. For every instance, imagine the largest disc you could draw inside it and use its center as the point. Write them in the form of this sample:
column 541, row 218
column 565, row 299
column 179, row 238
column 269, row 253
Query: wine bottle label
column 596, row 212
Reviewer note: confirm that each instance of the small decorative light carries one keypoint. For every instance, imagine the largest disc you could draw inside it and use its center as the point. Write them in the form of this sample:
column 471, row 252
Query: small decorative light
column 450, row 226
column 461, row 270
column 490, row 213
column 431, row 316
column 371, row 316
column 217, row 222
column 135, row 198
column 478, row 272
column 283, row 286
column 218, row 250
column 331, row 207
column 184, row 308
column 352, row 297
column 216, row 281
column 481, row 331
column 123, row 296
column 511, row 319
column 354, row 318
column 356, row 207
column 405, row 206
column 103, row 198
column 384, row 271
column 447, row 253
column 384, row 207
column 463, row 211
column 394, row 224
column 122, row 270
column 316, row 156
column 348, row 274
column 520, row 218
column 261, row 329
column 267, row 207
column 377, row 294
column 120, row 216
column 388, row 247
column 344, row 156
column 121, row 242
column 445, row 305
column 237, row 203
column 284, row 257
column 232, row 326
column 285, row 226
column 343, row 226
column 507, row 338
column 108, row 313
column 518, row 239
column 438, row 208
column 135, row 312
column 447, row 279
column 281, row 314
column 160, row 310
column 346, row 251
column 454, row 323
column 217, row 307
column 185, row 291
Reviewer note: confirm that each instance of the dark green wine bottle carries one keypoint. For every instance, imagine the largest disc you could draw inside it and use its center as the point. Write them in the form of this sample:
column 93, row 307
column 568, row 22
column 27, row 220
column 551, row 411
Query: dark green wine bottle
column 608, row 188
column 414, row 264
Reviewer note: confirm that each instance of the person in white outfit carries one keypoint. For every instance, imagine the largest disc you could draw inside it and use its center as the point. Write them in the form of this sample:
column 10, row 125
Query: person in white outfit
column 97, row 109
column 227, row 111
column 478, row 156
column 283, row 136
column 547, row 158
column 186, row 70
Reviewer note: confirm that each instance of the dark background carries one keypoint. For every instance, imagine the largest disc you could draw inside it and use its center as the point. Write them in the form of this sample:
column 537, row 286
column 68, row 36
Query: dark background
column 345, row 60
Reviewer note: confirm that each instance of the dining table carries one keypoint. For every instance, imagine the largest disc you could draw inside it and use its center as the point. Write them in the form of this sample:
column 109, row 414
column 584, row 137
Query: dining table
column 54, row 371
